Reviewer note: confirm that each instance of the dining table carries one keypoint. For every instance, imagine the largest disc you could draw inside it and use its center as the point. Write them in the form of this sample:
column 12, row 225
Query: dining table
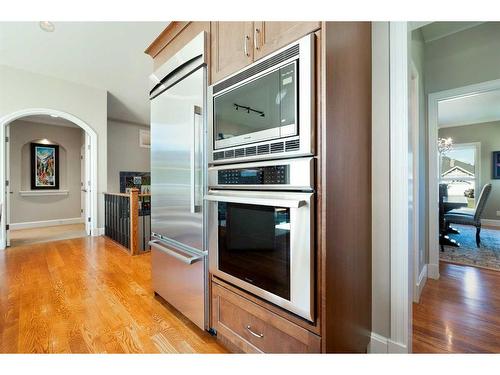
column 446, row 204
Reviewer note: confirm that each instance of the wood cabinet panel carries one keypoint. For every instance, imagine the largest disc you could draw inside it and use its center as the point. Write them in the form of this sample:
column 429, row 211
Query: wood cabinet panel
column 232, row 47
column 254, row 329
column 270, row 36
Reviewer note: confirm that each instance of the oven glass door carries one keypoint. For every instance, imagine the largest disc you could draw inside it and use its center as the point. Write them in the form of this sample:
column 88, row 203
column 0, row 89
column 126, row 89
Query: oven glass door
column 254, row 245
column 261, row 109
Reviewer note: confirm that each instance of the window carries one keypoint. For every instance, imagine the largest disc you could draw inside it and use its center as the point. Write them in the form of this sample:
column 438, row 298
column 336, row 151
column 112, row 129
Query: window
column 459, row 169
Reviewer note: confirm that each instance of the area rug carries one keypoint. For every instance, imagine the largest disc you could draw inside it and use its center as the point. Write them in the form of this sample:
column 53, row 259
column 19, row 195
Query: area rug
column 486, row 256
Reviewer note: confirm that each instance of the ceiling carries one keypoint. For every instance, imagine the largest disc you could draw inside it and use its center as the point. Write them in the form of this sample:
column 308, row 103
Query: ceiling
column 437, row 30
column 108, row 55
column 471, row 109
column 49, row 120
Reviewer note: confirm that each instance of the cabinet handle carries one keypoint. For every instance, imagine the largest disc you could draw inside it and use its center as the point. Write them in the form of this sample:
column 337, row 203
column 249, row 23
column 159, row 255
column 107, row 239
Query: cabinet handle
column 259, row 335
column 256, row 43
column 245, row 45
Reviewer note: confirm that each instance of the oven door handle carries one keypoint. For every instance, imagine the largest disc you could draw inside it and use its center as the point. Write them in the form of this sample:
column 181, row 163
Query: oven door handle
column 188, row 259
column 290, row 203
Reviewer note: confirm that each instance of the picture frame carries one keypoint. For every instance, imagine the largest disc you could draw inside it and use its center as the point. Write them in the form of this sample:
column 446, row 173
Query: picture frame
column 496, row 165
column 44, row 166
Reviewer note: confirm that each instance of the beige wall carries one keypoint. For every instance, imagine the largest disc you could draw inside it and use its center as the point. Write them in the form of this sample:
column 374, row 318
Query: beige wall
column 41, row 208
column 488, row 134
column 124, row 152
column 464, row 58
column 380, row 180
column 417, row 50
column 21, row 90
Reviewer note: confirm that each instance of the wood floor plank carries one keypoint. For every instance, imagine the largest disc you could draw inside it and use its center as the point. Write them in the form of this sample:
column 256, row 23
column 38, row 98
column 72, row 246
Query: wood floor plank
column 459, row 313
column 86, row 295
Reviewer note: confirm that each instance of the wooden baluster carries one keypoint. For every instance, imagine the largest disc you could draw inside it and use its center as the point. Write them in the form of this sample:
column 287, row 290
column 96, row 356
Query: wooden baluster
column 134, row 221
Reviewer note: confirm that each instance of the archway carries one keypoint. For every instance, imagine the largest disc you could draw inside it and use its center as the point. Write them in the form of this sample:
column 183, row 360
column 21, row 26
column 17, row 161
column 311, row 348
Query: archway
column 92, row 144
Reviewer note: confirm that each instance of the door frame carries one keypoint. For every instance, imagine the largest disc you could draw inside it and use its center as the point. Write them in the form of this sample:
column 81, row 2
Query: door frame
column 433, row 170
column 4, row 165
column 401, row 259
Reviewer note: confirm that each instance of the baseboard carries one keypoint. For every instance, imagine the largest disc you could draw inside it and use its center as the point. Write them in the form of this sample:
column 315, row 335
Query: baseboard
column 378, row 344
column 433, row 271
column 490, row 222
column 98, row 232
column 396, row 347
column 422, row 278
column 45, row 223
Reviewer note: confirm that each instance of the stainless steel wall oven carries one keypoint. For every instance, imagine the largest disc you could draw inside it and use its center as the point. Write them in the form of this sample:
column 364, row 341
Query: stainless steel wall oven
column 265, row 110
column 262, row 239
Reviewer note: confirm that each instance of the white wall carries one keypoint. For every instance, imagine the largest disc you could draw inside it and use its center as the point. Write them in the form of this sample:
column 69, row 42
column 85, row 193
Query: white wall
column 20, row 90
column 124, row 153
column 41, row 208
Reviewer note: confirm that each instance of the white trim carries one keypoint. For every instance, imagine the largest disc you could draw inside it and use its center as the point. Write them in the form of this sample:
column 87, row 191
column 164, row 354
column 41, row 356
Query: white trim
column 6, row 120
column 433, row 271
column 400, row 268
column 397, row 348
column 433, row 176
column 490, row 222
column 422, row 278
column 98, row 232
column 414, row 108
column 378, row 344
column 469, row 122
column 34, row 193
column 46, row 223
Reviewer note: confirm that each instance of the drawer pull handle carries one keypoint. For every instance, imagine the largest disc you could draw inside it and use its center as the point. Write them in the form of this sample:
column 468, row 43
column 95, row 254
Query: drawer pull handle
column 259, row 335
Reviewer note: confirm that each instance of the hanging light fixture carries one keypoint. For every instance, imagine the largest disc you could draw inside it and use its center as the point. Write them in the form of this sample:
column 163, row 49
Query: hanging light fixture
column 445, row 145
column 47, row 26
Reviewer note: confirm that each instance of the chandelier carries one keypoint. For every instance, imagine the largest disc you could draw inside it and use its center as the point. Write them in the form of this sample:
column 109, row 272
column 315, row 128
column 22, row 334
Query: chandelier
column 444, row 145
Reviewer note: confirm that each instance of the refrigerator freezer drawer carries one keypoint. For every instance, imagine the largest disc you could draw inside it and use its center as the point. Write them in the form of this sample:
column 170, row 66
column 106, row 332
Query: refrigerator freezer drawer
column 180, row 279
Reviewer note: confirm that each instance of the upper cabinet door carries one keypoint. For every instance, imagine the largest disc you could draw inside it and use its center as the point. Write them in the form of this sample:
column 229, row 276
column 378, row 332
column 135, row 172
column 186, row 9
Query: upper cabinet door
column 270, row 36
column 232, row 47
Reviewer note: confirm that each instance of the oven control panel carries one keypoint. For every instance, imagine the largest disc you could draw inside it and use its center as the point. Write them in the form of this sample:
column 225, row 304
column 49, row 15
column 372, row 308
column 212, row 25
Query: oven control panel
column 267, row 175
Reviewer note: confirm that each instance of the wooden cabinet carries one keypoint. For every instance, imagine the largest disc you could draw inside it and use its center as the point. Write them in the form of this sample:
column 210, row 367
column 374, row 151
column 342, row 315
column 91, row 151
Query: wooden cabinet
column 232, row 47
column 271, row 36
column 253, row 329
column 238, row 44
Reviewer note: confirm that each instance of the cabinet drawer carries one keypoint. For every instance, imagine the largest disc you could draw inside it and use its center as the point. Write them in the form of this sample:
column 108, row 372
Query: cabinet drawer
column 254, row 329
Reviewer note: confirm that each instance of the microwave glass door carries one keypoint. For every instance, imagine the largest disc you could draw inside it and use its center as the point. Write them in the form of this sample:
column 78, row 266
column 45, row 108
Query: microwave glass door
column 261, row 109
column 254, row 245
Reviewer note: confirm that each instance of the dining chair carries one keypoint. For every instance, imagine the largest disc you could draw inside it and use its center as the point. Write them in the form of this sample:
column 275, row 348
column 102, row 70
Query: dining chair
column 470, row 216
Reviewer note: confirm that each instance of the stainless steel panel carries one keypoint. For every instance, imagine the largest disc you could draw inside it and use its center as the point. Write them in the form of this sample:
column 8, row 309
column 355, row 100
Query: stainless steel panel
column 301, row 175
column 180, row 280
column 301, row 243
column 177, row 166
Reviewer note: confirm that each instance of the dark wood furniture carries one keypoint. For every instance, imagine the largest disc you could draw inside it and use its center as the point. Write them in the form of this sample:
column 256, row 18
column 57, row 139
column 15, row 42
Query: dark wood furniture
column 343, row 185
column 446, row 204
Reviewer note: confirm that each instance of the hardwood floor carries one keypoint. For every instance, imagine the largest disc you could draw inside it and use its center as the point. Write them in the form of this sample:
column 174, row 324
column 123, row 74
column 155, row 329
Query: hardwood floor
column 459, row 313
column 22, row 237
column 86, row 295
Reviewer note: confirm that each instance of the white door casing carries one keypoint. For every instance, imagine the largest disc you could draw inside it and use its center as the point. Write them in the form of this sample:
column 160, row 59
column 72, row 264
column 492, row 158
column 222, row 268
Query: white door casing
column 6, row 120
column 433, row 170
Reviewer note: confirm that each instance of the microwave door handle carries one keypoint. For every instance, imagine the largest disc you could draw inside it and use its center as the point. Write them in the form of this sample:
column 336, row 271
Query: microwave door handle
column 290, row 203
column 193, row 187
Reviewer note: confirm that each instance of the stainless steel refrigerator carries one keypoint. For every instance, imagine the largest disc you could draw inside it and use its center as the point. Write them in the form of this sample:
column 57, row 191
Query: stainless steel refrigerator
column 178, row 174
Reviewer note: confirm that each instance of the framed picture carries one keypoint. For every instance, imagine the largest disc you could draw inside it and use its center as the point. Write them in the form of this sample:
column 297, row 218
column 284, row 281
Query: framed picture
column 496, row 165
column 44, row 166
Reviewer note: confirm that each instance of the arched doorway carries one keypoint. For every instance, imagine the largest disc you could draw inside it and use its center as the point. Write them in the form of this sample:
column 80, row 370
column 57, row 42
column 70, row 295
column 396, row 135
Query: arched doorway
column 91, row 145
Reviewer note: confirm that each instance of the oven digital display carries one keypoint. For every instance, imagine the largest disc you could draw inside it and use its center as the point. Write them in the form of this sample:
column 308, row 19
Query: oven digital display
column 272, row 175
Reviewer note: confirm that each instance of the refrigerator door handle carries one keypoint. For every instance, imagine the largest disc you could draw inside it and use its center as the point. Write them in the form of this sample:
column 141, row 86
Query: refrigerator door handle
column 195, row 152
column 188, row 258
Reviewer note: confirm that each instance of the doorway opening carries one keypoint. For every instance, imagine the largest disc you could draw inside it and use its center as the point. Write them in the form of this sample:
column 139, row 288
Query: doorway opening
column 50, row 172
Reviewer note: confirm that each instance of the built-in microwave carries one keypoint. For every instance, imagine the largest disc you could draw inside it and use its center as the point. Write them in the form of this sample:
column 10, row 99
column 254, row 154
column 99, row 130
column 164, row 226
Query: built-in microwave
column 263, row 240
column 265, row 110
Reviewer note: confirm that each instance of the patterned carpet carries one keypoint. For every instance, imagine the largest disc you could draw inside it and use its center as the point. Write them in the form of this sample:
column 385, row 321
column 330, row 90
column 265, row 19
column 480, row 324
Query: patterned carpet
column 487, row 256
